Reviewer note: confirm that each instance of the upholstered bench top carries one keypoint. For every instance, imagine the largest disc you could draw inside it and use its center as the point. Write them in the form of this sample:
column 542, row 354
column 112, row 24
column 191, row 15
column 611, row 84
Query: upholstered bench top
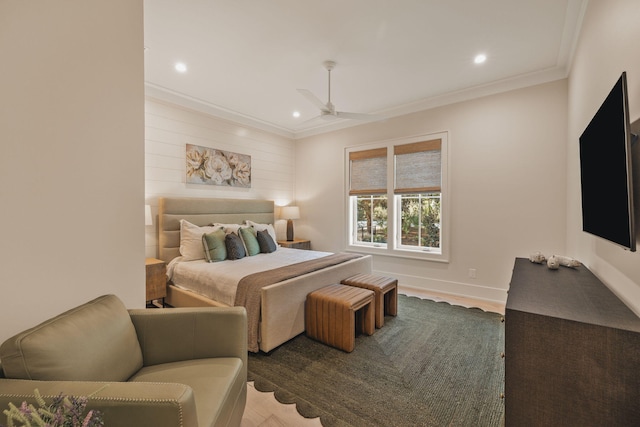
column 371, row 281
column 347, row 296
column 330, row 315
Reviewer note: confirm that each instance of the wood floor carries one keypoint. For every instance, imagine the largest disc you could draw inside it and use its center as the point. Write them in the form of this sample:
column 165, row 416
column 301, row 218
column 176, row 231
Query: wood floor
column 263, row 410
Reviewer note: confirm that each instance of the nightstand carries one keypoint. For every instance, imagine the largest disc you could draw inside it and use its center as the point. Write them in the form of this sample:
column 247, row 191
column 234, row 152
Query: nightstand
column 296, row 244
column 156, row 280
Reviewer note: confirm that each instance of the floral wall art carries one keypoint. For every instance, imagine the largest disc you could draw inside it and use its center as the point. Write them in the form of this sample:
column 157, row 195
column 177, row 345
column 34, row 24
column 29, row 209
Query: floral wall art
column 216, row 167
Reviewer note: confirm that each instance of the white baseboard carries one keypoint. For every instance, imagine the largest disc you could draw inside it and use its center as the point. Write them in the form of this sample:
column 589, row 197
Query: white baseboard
column 459, row 289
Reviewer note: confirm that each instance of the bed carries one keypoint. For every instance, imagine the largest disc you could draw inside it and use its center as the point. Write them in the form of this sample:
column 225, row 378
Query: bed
column 281, row 304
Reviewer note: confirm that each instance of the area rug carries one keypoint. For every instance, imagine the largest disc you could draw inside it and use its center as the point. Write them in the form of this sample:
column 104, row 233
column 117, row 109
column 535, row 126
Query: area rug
column 433, row 365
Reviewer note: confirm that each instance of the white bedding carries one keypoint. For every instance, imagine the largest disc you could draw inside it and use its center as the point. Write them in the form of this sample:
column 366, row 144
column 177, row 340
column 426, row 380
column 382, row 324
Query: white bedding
column 219, row 280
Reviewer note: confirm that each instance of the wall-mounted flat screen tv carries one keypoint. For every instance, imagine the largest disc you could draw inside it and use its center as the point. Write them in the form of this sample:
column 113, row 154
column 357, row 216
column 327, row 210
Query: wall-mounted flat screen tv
column 605, row 171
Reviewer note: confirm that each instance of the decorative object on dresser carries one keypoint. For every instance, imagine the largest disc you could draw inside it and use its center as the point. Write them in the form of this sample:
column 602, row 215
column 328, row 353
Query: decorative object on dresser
column 554, row 261
column 156, row 280
column 296, row 244
column 290, row 213
column 572, row 350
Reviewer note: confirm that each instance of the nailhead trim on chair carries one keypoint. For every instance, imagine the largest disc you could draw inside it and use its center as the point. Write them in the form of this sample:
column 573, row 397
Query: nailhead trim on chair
column 112, row 399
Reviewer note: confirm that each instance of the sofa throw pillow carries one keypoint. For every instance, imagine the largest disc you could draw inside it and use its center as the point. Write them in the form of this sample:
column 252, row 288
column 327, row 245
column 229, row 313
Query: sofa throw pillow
column 235, row 248
column 267, row 245
column 215, row 248
column 250, row 241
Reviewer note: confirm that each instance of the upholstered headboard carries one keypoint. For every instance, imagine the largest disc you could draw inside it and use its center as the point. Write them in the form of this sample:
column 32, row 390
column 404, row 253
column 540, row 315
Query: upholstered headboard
column 204, row 211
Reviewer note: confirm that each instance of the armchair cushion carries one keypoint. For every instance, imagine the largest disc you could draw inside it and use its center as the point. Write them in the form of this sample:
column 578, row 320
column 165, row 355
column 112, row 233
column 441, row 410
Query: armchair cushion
column 92, row 342
column 217, row 383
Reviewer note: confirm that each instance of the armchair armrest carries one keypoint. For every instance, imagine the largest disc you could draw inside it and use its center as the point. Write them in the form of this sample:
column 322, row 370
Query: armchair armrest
column 121, row 403
column 176, row 334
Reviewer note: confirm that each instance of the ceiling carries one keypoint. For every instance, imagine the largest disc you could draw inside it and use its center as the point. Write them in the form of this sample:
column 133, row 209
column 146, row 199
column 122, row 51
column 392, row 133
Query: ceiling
column 246, row 58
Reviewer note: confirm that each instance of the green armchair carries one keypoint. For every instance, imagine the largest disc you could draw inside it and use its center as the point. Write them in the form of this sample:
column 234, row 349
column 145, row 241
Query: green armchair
column 143, row 367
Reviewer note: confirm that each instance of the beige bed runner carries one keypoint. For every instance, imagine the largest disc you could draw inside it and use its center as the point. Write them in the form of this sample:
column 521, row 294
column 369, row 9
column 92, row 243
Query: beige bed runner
column 248, row 292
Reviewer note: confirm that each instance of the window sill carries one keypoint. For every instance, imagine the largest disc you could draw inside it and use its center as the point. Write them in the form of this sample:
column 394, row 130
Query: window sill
column 399, row 253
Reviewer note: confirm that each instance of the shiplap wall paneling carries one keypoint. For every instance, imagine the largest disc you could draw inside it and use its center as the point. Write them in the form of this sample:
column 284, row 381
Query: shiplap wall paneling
column 168, row 128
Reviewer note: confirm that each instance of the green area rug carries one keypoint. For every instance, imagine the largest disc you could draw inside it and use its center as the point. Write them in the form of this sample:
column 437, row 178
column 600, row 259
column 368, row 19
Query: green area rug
column 433, row 365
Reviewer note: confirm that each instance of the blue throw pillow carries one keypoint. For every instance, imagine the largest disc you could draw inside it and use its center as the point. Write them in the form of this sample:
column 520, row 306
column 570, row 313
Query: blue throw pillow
column 267, row 245
column 235, row 248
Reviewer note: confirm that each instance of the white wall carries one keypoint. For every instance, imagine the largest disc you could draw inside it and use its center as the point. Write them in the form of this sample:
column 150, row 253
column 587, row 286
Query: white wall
column 71, row 155
column 170, row 127
column 507, row 178
column 513, row 161
column 608, row 45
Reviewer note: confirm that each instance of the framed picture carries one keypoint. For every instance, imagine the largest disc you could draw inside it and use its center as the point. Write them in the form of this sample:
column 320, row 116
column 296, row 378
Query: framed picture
column 216, row 167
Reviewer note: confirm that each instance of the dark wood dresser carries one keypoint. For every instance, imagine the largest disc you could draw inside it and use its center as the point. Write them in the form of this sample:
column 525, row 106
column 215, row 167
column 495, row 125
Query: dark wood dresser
column 572, row 351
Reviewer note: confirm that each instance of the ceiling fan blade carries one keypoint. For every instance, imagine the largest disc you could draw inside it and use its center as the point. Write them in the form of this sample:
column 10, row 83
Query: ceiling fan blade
column 328, row 111
column 313, row 99
column 312, row 121
column 327, row 117
column 359, row 116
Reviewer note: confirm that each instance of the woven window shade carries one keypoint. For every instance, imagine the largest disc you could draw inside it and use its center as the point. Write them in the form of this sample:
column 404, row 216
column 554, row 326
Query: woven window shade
column 418, row 167
column 368, row 173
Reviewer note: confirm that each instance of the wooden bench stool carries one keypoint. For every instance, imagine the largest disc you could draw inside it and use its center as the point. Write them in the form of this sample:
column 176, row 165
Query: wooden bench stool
column 386, row 293
column 333, row 313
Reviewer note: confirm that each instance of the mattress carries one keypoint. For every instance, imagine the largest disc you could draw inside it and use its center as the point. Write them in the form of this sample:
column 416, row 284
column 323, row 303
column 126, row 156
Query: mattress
column 219, row 280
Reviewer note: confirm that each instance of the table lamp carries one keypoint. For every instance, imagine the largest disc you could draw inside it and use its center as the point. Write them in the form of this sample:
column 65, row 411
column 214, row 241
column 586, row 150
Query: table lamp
column 290, row 213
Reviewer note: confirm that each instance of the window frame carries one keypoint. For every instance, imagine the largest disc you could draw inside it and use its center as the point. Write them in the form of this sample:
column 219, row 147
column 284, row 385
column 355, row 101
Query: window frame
column 393, row 246
column 353, row 199
column 399, row 245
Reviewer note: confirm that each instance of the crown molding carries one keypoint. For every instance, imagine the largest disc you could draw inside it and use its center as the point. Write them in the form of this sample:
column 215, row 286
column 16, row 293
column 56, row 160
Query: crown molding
column 505, row 85
column 164, row 94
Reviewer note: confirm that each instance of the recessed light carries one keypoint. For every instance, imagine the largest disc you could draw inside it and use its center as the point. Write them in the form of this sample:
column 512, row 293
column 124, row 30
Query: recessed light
column 181, row 67
column 296, row 114
column 479, row 59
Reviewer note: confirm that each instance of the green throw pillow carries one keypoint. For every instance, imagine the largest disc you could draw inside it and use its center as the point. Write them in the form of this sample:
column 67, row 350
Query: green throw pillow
column 250, row 241
column 214, row 246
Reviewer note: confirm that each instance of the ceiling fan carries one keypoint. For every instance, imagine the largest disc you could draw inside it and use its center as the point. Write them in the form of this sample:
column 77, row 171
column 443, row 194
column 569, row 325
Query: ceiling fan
column 328, row 111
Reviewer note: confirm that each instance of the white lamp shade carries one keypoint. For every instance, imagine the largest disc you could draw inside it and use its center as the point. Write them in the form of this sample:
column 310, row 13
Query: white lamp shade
column 148, row 219
column 290, row 212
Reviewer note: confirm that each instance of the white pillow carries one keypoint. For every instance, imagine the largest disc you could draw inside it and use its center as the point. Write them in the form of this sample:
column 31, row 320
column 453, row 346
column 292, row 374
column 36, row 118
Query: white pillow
column 191, row 240
column 229, row 228
column 261, row 227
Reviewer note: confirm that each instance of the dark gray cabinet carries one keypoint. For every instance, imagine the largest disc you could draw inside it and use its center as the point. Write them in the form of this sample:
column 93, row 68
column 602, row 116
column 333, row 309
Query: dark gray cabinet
column 572, row 351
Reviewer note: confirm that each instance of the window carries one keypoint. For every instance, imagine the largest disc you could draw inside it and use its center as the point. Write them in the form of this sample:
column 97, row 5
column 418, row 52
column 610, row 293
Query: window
column 368, row 191
column 417, row 191
column 419, row 225
column 371, row 224
column 396, row 195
